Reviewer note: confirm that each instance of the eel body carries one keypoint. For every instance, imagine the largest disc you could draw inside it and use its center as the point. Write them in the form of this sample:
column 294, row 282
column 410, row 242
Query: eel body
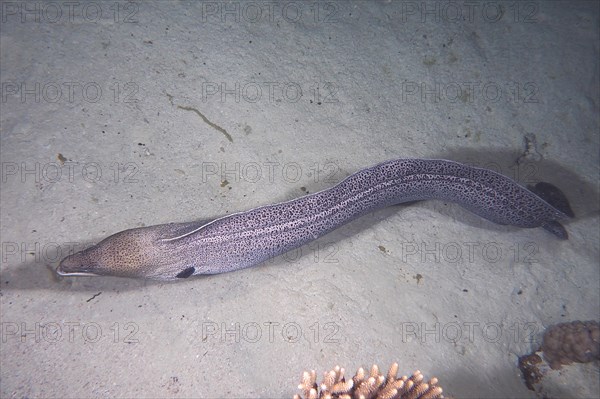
column 180, row 250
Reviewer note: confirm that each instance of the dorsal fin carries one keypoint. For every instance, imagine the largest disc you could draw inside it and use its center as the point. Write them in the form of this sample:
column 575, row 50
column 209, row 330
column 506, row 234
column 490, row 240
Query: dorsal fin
column 554, row 196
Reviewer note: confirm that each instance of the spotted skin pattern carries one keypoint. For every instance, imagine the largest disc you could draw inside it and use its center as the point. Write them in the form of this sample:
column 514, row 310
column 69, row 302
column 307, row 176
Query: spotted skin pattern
column 179, row 250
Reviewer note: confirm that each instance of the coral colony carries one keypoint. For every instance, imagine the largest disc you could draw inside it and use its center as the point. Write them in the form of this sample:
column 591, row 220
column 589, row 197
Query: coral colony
column 367, row 386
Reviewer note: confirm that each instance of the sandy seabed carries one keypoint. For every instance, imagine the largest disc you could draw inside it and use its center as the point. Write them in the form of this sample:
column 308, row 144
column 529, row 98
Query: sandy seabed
column 125, row 114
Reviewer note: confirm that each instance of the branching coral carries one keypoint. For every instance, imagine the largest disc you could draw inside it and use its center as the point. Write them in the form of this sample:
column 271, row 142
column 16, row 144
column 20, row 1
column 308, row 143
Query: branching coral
column 368, row 385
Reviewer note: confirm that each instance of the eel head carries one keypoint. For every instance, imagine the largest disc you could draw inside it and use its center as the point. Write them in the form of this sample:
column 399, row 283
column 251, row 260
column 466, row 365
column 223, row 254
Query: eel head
column 136, row 253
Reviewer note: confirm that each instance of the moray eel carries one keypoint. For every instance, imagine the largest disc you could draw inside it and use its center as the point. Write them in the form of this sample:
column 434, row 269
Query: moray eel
column 179, row 250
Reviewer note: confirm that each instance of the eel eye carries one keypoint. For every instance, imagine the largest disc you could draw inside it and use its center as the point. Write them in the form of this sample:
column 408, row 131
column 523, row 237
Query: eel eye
column 185, row 273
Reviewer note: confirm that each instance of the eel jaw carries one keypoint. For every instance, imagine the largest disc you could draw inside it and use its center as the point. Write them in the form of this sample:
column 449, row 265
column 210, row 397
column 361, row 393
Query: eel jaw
column 71, row 274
